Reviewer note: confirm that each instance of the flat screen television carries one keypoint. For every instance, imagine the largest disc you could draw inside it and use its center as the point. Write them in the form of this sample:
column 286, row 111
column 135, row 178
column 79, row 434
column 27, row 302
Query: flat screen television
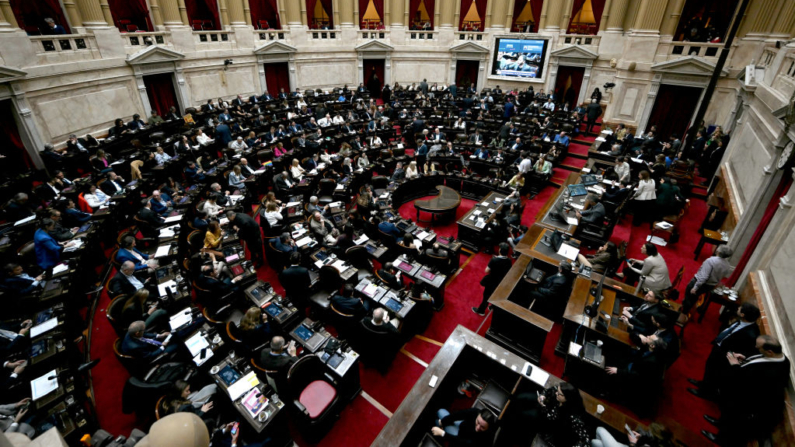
column 519, row 58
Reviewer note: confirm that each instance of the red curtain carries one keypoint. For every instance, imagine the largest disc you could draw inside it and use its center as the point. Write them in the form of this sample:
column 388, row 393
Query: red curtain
column 266, row 10
column 277, row 77
column 135, row 11
column 535, row 6
column 31, row 14
column 481, row 4
column 310, row 12
column 414, row 6
column 10, row 142
column 160, row 90
column 598, row 9
column 673, row 108
column 770, row 211
column 562, row 79
column 465, row 4
column 379, row 8
column 466, row 72
column 370, row 67
column 204, row 10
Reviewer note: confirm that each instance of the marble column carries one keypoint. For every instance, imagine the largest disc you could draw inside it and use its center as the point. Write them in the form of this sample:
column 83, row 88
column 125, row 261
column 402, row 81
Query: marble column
column 346, row 14
column 157, row 17
column 106, row 12
column 183, row 12
column 605, row 16
column 447, row 14
column 295, row 13
column 235, row 8
column 499, row 14
column 671, row 21
column 759, row 17
column 650, row 15
column 542, row 21
column 618, row 10
column 387, row 18
column 170, row 12
column 565, row 16
column 71, row 11
column 222, row 5
column 6, row 25
column 487, row 20
column 398, row 11
column 554, row 14
column 91, row 11
column 247, row 12
column 785, row 23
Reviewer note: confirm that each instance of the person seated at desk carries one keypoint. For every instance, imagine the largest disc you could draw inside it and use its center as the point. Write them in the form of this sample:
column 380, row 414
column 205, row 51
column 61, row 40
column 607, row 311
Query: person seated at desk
column 639, row 321
column 296, row 170
column 95, row 197
column 562, row 139
column 137, row 123
column 616, row 193
column 209, row 280
column 379, row 323
column 11, row 416
column 237, row 179
column 470, row 427
column 73, row 216
column 150, row 217
column 194, row 173
column 48, row 250
column 211, row 206
column 146, row 345
column 313, row 207
column 388, row 228
column 481, row 153
column 135, row 309
column 18, row 208
column 437, row 251
column 412, row 171
column 389, row 275
column 411, row 244
column 344, row 302
column 128, row 252
column 277, row 360
column 272, row 214
column 112, row 185
column 653, row 268
column 641, row 377
column 214, row 237
column 183, row 400
column 254, row 327
column 284, row 243
column 321, row 227
column 160, row 204
column 599, row 262
column 593, row 211
column 18, row 282
column 125, row 282
column 118, row 129
column 347, row 167
column 556, row 414
column 551, row 295
column 60, row 233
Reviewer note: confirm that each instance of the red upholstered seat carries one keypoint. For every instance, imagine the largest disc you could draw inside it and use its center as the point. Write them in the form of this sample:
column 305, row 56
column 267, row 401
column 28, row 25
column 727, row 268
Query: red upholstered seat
column 316, row 397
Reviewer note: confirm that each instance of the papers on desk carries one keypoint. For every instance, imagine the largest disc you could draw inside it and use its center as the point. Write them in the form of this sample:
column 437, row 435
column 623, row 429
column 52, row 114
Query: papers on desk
column 586, row 170
column 180, row 319
column 476, row 213
column 233, row 199
column 423, row 235
column 243, row 385
column 167, row 233
column 600, row 139
column 312, row 172
column 254, row 402
column 176, row 218
column 576, row 206
column 484, row 204
column 292, row 204
column 298, row 233
column 303, row 241
column 663, row 225
column 60, row 268
column 607, row 132
column 232, row 258
column 39, row 329
column 656, row 240
column 361, row 240
column 199, row 360
column 170, row 284
column 43, row 385
column 572, row 220
column 320, row 166
column 196, row 343
column 77, row 243
column 25, row 220
column 498, row 199
column 491, row 210
column 574, row 349
column 339, row 265
column 535, row 374
column 223, row 221
column 117, row 162
column 340, row 188
column 335, row 204
column 384, row 195
column 370, row 290
column 480, row 223
column 163, row 250
column 568, row 252
column 637, row 160
column 400, row 146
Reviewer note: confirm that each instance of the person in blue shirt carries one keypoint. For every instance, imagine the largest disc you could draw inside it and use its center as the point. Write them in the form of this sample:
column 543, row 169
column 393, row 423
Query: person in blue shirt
column 284, row 243
column 53, row 28
column 389, row 228
column 159, row 204
column 48, row 250
column 482, row 153
column 75, row 216
column 19, row 282
column 508, row 110
column 128, row 252
column 562, row 138
column 200, row 221
column 194, row 173
column 422, row 150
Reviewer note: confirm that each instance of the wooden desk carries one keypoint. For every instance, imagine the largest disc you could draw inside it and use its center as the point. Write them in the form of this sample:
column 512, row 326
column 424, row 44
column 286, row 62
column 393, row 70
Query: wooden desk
column 709, row 237
column 532, row 245
column 468, row 232
column 445, row 203
column 542, row 218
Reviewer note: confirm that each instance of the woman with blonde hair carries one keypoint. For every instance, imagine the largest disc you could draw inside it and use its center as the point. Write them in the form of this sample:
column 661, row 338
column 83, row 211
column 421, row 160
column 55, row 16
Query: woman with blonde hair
column 213, row 238
column 236, row 178
column 254, row 327
column 296, row 170
column 411, row 171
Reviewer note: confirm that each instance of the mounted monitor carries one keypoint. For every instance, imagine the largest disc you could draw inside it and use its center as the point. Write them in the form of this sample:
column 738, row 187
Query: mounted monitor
column 519, row 58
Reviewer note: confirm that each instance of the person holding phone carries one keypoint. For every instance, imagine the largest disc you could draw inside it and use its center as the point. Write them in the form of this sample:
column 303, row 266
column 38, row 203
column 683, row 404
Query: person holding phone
column 279, row 357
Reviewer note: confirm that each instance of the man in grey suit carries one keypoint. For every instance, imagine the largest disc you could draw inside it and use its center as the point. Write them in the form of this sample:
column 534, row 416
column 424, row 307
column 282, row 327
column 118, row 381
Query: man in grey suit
column 424, row 87
column 12, row 414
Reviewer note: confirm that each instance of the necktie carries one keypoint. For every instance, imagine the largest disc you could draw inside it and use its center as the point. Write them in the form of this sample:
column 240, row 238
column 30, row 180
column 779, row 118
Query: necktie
column 726, row 332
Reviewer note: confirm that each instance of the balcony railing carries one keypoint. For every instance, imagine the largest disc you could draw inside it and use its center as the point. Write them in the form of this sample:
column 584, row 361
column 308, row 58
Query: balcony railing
column 209, row 37
column 146, row 38
column 268, row 35
column 422, row 35
column 375, row 34
column 580, row 39
column 698, row 49
column 323, row 34
column 65, row 48
column 469, row 35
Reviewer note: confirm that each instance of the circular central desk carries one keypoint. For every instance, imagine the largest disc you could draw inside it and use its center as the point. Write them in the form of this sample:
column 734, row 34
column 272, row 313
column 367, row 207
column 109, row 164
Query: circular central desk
column 446, row 202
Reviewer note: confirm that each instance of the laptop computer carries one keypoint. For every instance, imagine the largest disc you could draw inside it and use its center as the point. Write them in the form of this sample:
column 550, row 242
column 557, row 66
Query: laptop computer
column 593, row 353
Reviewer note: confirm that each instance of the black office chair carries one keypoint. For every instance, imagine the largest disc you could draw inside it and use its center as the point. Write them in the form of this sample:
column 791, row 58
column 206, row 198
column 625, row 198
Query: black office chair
column 380, row 183
column 326, row 192
column 114, row 314
column 377, row 349
column 359, row 257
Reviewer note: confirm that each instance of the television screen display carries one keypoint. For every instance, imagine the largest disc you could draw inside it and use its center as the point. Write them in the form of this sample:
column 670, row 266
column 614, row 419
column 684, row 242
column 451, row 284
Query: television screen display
column 519, row 58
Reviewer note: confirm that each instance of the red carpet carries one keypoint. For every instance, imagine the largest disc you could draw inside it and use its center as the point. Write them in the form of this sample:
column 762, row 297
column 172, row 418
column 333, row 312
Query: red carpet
column 361, row 421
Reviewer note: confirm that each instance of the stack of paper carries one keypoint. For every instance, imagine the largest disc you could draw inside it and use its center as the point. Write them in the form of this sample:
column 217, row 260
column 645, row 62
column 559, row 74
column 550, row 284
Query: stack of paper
column 162, row 250
column 361, row 240
column 303, row 241
column 568, row 252
column 656, row 240
column 176, row 218
column 171, row 284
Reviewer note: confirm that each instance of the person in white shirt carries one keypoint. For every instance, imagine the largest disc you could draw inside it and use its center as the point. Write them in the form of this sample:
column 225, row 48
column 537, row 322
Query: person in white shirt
column 549, row 105
column 95, row 197
column 210, row 207
column 338, row 120
column 300, row 103
column 460, row 124
column 296, row 170
column 161, row 157
column 325, row 157
column 273, row 214
column 622, row 170
column 526, row 165
column 644, row 199
column 203, row 139
column 363, row 161
column 325, row 121
column 411, row 171
column 375, row 141
column 238, row 145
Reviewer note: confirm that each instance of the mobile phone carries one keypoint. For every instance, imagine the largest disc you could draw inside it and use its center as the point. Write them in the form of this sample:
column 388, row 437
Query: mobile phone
column 629, row 430
column 234, row 428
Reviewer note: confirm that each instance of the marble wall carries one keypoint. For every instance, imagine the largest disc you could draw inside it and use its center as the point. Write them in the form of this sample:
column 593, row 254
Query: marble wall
column 219, row 83
column 325, row 74
column 747, row 158
column 406, row 71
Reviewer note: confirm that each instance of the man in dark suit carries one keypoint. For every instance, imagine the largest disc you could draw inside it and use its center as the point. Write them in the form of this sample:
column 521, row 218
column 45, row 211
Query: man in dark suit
column 278, row 359
column 284, row 243
column 739, row 338
column 346, row 303
column 75, row 145
column 249, row 230
column 282, row 184
column 18, row 282
column 61, row 233
column 496, row 270
column 552, row 293
column 137, row 123
column 223, row 134
column 238, row 101
column 147, row 215
column 266, row 96
column 13, row 339
column 388, row 274
column 143, row 345
column 124, row 281
column 594, row 110
column 194, row 173
column 751, row 394
column 517, row 145
column 209, row 280
column 112, row 185
column 640, row 379
column 18, row 208
column 389, row 228
column 296, row 281
column 593, row 211
column 639, row 320
column 398, row 174
column 380, row 323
